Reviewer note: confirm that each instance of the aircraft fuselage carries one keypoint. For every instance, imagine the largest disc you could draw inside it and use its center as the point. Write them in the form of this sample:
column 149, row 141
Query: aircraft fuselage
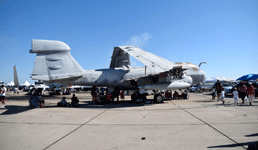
column 120, row 77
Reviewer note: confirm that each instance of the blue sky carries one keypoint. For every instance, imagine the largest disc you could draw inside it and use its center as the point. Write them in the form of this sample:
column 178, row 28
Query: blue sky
column 222, row 33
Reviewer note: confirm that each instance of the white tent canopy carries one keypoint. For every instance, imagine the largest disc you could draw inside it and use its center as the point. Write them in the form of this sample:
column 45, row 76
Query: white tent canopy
column 26, row 83
column 10, row 83
column 221, row 79
column 210, row 80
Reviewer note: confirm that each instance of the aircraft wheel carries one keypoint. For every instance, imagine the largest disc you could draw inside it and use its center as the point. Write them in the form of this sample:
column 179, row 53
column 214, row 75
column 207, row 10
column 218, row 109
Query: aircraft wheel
column 145, row 100
column 133, row 97
column 158, row 98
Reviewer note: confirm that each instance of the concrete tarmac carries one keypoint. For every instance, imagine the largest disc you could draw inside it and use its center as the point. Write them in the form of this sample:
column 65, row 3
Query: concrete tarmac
column 197, row 123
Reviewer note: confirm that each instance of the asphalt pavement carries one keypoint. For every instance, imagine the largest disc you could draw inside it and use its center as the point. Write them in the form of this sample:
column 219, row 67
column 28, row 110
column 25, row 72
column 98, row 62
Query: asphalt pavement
column 196, row 123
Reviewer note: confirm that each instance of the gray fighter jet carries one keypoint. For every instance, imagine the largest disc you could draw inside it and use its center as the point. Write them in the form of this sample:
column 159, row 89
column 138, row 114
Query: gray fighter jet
column 55, row 64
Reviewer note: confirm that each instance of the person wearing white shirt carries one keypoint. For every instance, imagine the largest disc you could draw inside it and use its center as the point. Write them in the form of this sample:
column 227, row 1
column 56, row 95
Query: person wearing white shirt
column 64, row 102
column 223, row 96
column 235, row 95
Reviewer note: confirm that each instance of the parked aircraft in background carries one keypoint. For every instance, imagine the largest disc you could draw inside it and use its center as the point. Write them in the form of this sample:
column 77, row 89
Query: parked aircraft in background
column 14, row 85
column 55, row 64
column 2, row 83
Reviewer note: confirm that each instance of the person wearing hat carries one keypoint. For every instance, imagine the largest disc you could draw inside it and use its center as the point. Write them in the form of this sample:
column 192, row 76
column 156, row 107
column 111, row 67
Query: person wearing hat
column 250, row 93
column 242, row 91
column 2, row 95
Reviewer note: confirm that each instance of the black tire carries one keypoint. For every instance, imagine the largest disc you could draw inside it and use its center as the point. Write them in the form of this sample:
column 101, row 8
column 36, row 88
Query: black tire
column 158, row 98
column 144, row 99
column 133, row 97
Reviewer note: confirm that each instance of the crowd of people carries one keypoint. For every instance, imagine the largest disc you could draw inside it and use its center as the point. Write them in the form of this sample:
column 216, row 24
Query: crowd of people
column 244, row 93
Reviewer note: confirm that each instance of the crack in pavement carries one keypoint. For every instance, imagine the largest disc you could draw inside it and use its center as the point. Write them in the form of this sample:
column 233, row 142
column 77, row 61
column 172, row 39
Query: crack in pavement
column 210, row 126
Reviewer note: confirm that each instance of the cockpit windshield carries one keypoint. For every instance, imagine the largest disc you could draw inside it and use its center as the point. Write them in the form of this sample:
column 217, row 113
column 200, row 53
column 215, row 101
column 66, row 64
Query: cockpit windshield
column 193, row 66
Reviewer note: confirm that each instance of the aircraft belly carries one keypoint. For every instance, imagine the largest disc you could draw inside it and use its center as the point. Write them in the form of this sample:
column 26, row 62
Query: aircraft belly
column 104, row 78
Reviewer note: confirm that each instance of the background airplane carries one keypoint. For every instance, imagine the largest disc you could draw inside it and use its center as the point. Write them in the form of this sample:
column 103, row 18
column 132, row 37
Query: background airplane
column 55, row 64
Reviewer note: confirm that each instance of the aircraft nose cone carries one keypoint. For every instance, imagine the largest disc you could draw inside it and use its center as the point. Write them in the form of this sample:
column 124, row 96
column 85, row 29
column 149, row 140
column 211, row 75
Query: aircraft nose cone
column 203, row 75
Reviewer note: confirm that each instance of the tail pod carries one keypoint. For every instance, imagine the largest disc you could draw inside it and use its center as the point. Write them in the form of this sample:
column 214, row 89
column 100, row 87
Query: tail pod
column 53, row 61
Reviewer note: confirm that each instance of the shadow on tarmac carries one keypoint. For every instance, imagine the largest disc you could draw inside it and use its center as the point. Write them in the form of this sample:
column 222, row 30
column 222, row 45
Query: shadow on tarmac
column 251, row 135
column 251, row 145
column 13, row 109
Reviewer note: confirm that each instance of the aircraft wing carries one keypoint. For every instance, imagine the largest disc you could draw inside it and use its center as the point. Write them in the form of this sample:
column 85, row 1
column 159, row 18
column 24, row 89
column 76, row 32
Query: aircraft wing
column 155, row 63
column 120, row 59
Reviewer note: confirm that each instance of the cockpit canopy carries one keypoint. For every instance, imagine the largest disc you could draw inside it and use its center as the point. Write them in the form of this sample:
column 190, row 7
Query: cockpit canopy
column 193, row 66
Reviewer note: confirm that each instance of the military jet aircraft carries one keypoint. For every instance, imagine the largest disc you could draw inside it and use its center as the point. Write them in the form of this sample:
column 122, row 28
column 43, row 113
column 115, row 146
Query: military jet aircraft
column 55, row 64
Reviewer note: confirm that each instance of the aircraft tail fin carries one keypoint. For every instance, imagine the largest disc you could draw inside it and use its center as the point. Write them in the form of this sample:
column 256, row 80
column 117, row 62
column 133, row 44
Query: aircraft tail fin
column 16, row 81
column 53, row 61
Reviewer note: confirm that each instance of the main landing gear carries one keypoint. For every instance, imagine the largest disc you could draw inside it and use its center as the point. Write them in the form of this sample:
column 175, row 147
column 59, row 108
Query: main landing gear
column 141, row 98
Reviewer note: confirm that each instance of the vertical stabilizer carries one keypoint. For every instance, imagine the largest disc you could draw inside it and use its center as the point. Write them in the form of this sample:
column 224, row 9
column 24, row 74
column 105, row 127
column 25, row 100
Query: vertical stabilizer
column 16, row 81
column 53, row 61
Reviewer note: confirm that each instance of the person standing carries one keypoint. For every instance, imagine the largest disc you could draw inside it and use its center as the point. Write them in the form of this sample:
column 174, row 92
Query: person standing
column 235, row 94
column 2, row 95
column 250, row 93
column 242, row 91
column 218, row 86
column 213, row 93
column 222, row 96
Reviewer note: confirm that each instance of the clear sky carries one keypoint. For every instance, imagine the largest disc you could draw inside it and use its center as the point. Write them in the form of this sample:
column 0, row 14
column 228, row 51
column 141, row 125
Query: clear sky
column 223, row 33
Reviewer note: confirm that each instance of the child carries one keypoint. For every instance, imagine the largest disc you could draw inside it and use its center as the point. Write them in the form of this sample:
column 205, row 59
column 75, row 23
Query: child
column 235, row 95
column 222, row 96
